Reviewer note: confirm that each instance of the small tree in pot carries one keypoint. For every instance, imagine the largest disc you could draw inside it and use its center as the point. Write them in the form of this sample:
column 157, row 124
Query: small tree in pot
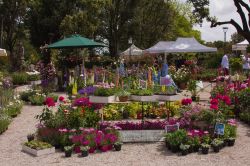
column 68, row 151
column 205, row 148
column 84, row 151
column 118, row 146
column 184, row 149
column 192, row 88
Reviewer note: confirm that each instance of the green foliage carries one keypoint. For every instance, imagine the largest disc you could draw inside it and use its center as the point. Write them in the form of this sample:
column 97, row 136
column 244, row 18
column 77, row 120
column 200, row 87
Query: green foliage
column 34, row 77
column 142, row 92
column 26, row 94
column 192, row 87
column 216, row 142
column 122, row 92
column 38, row 145
column 20, row 78
column 184, row 147
column 213, row 61
column 104, row 92
column 13, row 108
column 176, row 138
column 91, row 119
column 235, row 64
column 4, row 122
column 244, row 100
column 37, row 99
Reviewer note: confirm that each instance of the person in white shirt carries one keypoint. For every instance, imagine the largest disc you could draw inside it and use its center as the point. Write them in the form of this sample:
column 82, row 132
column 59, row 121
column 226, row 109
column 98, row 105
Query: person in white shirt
column 225, row 64
column 245, row 64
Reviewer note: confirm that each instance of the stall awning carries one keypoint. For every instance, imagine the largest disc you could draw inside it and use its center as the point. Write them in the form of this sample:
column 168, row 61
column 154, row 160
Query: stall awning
column 132, row 50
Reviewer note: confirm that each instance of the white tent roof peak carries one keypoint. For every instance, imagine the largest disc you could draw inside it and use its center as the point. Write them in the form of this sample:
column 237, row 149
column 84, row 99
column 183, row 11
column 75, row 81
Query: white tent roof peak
column 245, row 42
column 159, row 47
column 132, row 50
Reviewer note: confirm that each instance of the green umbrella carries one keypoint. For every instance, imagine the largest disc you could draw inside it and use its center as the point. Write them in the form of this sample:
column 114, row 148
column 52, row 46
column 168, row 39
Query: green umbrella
column 76, row 41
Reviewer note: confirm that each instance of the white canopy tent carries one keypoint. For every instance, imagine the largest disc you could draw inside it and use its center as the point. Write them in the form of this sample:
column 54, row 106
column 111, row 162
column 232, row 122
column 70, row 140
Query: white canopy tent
column 159, row 47
column 3, row 52
column 185, row 45
column 132, row 50
column 242, row 46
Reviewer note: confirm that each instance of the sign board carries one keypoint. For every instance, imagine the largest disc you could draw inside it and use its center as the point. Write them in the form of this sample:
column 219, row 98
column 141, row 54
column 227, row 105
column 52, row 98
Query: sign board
column 219, row 128
column 171, row 128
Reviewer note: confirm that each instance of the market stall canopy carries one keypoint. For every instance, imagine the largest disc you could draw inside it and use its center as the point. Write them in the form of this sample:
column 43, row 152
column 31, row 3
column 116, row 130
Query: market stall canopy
column 185, row 45
column 159, row 47
column 76, row 41
column 3, row 52
column 242, row 46
column 132, row 50
column 181, row 45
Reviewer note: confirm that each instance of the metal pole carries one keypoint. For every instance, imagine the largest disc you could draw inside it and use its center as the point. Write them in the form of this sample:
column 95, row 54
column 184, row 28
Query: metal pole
column 225, row 39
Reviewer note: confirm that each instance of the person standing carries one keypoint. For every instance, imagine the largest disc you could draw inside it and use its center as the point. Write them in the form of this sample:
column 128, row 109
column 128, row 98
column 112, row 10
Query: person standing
column 225, row 64
column 245, row 64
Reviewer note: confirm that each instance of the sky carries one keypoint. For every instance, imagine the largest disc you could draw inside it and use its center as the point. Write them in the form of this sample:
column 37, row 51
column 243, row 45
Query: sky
column 224, row 10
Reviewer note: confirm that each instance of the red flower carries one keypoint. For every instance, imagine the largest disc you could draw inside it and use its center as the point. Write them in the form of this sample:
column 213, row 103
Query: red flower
column 61, row 98
column 186, row 101
column 214, row 102
column 214, row 107
column 50, row 102
column 227, row 100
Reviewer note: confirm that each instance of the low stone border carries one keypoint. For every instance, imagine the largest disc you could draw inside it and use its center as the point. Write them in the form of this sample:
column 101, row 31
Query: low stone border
column 142, row 135
column 37, row 153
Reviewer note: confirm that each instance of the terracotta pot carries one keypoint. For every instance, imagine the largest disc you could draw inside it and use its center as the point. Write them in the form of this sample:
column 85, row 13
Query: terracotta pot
column 123, row 98
column 183, row 85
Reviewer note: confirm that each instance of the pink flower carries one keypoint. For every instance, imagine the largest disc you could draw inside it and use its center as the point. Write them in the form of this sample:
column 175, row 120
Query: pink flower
column 63, row 130
column 206, row 132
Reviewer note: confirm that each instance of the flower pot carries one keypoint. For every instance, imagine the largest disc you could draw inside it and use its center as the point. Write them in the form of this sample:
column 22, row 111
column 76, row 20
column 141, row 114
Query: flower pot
column 182, row 85
column 85, row 153
column 191, row 149
column 204, row 150
column 196, row 148
column 231, row 142
column 193, row 98
column 118, row 147
column 57, row 146
column 68, row 153
column 216, row 149
column 30, row 138
column 123, row 98
column 174, row 149
column 125, row 114
column 184, row 152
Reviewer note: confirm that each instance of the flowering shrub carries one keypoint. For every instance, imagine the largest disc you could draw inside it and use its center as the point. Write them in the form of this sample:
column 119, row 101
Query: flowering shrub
column 186, row 101
column 13, row 108
column 89, row 90
column 84, row 102
column 147, row 125
column 37, row 99
column 50, row 102
column 95, row 139
column 181, row 75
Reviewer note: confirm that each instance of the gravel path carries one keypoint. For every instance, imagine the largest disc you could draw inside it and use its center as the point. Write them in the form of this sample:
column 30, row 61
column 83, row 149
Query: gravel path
column 131, row 154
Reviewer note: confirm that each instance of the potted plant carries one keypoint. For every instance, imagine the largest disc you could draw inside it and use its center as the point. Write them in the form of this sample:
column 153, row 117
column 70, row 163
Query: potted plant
column 68, row 151
column 216, row 144
column 118, row 146
column 230, row 141
column 184, row 149
column 142, row 95
column 205, row 148
column 103, row 95
column 123, row 95
column 84, row 151
column 192, row 88
column 30, row 137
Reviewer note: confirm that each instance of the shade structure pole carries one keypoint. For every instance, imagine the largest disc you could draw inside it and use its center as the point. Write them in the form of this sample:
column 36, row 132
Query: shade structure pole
column 165, row 58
